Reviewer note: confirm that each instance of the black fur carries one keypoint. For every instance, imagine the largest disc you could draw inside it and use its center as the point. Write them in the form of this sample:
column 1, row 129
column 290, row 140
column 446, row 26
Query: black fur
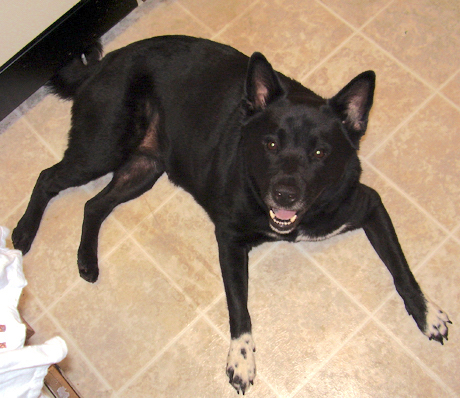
column 266, row 158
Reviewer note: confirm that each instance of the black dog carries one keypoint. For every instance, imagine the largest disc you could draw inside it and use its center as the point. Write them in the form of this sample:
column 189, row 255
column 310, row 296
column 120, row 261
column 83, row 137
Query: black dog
column 265, row 157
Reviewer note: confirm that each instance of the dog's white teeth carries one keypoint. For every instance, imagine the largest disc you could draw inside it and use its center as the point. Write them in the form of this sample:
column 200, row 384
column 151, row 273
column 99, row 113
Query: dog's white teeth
column 282, row 222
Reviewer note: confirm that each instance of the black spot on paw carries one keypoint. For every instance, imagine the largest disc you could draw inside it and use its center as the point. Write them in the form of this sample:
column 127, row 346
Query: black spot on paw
column 230, row 373
column 244, row 353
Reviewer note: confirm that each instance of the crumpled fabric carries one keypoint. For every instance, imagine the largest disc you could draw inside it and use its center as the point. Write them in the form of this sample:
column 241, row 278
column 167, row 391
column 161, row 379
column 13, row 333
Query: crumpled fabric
column 22, row 369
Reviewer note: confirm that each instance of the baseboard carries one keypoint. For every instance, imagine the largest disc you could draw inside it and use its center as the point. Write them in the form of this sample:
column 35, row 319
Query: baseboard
column 32, row 67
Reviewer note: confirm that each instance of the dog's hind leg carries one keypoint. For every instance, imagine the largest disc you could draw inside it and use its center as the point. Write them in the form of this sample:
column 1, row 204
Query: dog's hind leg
column 134, row 177
column 50, row 182
column 131, row 180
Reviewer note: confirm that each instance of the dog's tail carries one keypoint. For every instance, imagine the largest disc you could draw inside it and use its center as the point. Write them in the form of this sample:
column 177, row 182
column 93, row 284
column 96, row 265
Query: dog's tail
column 67, row 80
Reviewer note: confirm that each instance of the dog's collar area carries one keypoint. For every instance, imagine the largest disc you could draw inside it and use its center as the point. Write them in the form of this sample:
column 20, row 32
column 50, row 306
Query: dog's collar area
column 283, row 221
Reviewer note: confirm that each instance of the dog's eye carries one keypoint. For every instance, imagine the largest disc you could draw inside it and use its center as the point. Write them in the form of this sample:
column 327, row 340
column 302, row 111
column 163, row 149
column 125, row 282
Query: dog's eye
column 319, row 153
column 272, row 146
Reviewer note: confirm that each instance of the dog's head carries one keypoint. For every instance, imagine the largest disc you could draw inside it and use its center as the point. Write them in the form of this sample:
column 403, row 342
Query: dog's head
column 297, row 144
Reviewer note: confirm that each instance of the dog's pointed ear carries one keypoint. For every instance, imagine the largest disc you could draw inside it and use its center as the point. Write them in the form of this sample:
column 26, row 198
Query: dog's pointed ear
column 262, row 84
column 353, row 104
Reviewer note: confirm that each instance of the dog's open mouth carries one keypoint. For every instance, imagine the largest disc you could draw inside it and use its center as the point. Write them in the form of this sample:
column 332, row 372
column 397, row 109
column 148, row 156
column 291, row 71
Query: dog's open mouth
column 283, row 221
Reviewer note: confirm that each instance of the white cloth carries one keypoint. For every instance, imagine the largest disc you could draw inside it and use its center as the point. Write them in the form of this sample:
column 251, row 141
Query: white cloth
column 12, row 280
column 22, row 369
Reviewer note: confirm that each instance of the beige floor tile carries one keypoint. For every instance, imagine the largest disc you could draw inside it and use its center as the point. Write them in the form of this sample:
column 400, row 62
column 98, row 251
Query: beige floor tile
column 52, row 260
column 193, row 367
column 356, row 12
column 131, row 313
column 417, row 234
column 74, row 366
column 51, row 120
column 289, row 34
column 371, row 365
column 397, row 92
column 181, row 239
column 158, row 18
column 440, row 280
column 294, row 310
column 130, row 214
column 218, row 13
column 351, row 260
column 28, row 306
column 452, row 90
column 423, row 159
column 23, row 157
column 422, row 34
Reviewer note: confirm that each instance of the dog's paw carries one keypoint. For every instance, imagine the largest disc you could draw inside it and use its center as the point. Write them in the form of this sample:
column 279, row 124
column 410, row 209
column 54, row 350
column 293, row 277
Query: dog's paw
column 436, row 323
column 241, row 364
column 88, row 268
column 22, row 239
column 88, row 274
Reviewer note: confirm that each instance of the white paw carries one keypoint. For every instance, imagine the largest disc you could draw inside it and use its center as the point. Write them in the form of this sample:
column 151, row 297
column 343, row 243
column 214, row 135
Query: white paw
column 436, row 322
column 241, row 363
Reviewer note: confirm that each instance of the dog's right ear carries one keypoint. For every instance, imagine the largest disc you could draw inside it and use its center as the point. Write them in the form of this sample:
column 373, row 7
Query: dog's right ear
column 262, row 84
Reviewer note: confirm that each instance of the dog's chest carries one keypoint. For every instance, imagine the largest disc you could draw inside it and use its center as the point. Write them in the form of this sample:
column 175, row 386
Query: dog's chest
column 304, row 237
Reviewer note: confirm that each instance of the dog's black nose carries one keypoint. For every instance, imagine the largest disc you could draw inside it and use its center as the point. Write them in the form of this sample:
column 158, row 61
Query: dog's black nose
column 285, row 195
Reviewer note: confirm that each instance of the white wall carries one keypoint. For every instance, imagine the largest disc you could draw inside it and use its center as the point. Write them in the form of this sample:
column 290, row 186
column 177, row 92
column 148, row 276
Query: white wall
column 23, row 20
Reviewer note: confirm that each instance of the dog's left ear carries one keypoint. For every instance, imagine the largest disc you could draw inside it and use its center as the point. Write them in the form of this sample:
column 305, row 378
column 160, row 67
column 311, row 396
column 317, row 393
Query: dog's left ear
column 262, row 84
column 353, row 104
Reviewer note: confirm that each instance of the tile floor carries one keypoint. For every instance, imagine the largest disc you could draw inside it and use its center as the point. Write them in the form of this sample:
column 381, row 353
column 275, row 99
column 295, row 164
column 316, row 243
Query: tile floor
column 327, row 320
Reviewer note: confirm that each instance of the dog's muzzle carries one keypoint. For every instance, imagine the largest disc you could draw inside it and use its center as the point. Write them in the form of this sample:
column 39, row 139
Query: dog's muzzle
column 283, row 221
column 283, row 202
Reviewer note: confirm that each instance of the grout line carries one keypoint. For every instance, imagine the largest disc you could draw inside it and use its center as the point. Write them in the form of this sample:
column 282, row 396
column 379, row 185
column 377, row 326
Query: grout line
column 41, row 139
column 430, row 255
column 215, row 34
column 304, row 75
column 130, row 232
column 371, row 316
column 414, row 357
column 402, row 124
column 434, row 92
column 47, row 309
column 237, row 18
column 158, row 355
column 436, row 87
column 65, row 335
column 409, row 198
column 68, row 338
column 302, row 250
column 160, row 269
column 356, row 30
column 14, row 210
column 194, row 17
column 329, row 358
column 456, row 234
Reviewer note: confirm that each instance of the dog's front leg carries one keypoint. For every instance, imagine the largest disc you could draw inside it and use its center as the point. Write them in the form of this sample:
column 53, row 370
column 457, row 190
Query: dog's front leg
column 430, row 319
column 241, row 366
